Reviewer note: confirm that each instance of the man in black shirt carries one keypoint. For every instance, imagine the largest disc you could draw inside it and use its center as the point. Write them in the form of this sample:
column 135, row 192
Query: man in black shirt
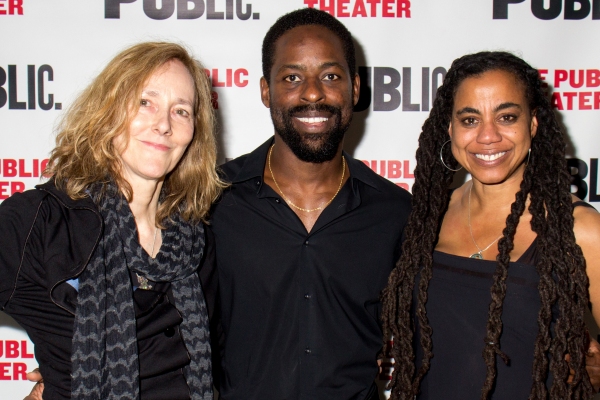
column 306, row 236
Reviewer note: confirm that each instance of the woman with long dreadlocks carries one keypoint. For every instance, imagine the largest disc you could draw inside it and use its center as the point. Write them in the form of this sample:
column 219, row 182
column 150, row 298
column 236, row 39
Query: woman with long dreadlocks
column 488, row 298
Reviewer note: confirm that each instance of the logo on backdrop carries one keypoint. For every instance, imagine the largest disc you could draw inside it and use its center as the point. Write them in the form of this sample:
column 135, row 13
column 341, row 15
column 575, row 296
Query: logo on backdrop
column 389, row 89
column 408, row 89
column 37, row 96
column 363, row 8
column 546, row 10
column 579, row 171
column 186, row 9
column 19, row 169
column 573, row 89
column 11, row 7
column 226, row 78
column 10, row 351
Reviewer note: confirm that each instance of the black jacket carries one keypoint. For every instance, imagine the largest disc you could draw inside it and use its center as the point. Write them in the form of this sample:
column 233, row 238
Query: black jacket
column 46, row 239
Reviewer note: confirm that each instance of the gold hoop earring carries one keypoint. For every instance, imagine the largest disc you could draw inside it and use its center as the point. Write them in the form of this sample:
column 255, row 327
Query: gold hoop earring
column 442, row 158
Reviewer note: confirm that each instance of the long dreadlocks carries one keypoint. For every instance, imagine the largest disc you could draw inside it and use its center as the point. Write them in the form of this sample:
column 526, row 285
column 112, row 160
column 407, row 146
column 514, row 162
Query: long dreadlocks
column 561, row 266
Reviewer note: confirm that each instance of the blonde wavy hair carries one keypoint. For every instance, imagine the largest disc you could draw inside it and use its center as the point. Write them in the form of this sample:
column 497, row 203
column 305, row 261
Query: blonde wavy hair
column 85, row 154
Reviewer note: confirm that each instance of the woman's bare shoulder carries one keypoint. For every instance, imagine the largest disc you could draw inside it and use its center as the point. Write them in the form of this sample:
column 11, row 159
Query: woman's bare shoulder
column 587, row 227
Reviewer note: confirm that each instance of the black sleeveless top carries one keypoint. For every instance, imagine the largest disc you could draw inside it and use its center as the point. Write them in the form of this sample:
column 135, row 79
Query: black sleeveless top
column 161, row 350
column 457, row 308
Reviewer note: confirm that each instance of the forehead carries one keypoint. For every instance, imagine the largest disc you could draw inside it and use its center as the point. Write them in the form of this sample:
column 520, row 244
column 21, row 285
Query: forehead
column 172, row 79
column 170, row 72
column 314, row 42
column 495, row 86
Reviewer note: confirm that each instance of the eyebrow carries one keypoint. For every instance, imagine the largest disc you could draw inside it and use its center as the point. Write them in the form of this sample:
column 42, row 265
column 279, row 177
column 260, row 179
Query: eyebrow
column 154, row 93
column 301, row 67
column 184, row 101
column 500, row 107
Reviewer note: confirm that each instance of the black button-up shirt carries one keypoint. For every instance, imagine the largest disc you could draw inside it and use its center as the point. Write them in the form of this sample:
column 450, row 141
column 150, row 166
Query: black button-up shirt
column 299, row 310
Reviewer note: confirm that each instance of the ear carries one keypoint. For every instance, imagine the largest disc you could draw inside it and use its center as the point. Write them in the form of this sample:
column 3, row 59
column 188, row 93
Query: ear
column 534, row 125
column 450, row 130
column 355, row 89
column 265, row 96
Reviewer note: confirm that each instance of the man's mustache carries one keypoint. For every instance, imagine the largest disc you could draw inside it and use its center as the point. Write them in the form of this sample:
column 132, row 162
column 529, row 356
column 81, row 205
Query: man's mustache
column 314, row 108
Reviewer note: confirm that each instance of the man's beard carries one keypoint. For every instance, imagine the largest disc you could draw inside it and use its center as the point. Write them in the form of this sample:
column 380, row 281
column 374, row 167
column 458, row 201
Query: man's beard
column 327, row 142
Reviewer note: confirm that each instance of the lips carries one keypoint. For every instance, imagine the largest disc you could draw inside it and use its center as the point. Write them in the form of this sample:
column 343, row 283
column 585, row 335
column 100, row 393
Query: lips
column 157, row 146
column 490, row 157
column 313, row 113
column 312, row 120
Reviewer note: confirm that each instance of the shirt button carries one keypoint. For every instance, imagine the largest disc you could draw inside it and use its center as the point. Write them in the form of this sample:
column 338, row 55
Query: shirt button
column 307, row 350
column 276, row 200
column 306, row 243
column 258, row 182
column 307, row 296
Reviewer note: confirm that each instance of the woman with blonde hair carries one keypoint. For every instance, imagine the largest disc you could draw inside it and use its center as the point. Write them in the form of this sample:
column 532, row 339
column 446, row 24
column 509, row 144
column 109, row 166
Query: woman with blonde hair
column 100, row 264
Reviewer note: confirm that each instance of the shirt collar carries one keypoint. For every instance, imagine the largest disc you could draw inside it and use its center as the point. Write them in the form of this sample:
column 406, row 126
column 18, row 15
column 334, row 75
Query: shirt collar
column 254, row 166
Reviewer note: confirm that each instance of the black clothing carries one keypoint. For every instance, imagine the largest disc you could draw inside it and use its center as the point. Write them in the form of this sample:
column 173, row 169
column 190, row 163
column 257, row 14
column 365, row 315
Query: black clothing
column 457, row 309
column 300, row 310
column 40, row 251
column 161, row 350
column 47, row 239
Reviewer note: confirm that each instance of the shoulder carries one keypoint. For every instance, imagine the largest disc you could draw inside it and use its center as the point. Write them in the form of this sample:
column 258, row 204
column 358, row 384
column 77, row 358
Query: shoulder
column 20, row 208
column 586, row 226
column 380, row 184
column 385, row 202
column 18, row 215
column 232, row 168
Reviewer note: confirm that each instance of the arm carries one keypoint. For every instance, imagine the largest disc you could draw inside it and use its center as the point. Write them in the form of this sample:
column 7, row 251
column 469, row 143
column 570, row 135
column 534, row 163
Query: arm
column 17, row 215
column 587, row 236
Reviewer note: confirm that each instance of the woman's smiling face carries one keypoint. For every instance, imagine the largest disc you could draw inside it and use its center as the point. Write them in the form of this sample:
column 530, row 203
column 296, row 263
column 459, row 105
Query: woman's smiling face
column 163, row 126
column 492, row 126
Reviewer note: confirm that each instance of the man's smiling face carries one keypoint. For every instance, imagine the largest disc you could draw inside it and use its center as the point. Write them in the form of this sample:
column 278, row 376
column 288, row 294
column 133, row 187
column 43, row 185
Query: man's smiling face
column 310, row 92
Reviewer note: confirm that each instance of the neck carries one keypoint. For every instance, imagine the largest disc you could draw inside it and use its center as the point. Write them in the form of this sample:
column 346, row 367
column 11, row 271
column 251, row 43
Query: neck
column 289, row 168
column 144, row 202
column 495, row 197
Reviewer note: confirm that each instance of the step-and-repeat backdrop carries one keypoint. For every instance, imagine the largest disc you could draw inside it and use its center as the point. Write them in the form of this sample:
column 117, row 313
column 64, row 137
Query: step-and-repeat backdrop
column 51, row 49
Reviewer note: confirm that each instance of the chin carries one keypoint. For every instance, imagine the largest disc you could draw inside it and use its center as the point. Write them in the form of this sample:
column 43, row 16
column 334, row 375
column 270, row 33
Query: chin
column 153, row 174
column 492, row 179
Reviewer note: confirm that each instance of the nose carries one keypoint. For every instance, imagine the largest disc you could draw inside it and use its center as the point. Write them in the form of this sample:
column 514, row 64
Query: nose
column 313, row 90
column 162, row 122
column 488, row 133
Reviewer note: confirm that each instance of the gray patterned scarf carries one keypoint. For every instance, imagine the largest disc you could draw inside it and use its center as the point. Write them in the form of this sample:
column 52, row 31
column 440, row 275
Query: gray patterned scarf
column 104, row 348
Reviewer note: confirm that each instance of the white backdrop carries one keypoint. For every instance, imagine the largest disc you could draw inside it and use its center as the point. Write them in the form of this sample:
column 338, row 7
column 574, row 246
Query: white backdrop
column 51, row 49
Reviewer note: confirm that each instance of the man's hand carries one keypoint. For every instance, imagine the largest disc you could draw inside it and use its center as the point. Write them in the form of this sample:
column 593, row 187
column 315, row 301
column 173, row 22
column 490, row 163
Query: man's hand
column 592, row 365
column 38, row 389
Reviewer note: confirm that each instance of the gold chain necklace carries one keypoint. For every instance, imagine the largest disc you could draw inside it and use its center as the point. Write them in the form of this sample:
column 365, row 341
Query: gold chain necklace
column 289, row 201
column 477, row 255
